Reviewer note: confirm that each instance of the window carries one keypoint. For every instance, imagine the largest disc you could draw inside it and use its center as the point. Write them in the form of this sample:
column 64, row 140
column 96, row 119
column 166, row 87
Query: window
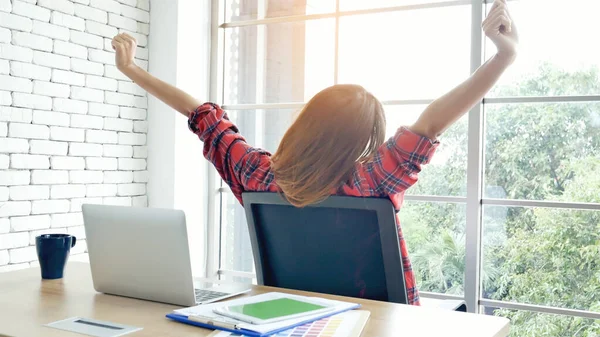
column 506, row 215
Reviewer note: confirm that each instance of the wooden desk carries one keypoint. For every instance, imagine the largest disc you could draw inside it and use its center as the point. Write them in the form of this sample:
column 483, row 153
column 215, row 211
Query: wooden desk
column 27, row 302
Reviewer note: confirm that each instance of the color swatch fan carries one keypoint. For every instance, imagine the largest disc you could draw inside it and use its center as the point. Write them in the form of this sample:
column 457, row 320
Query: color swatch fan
column 346, row 324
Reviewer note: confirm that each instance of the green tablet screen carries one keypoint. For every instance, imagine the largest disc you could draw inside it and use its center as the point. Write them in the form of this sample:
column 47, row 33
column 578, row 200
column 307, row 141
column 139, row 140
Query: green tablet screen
column 274, row 308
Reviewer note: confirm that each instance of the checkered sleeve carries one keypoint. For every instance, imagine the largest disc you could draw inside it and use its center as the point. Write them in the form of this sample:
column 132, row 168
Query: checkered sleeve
column 240, row 165
column 398, row 161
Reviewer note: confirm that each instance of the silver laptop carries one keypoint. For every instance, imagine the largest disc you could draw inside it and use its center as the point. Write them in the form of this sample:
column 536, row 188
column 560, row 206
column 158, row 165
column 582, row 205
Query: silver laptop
column 143, row 253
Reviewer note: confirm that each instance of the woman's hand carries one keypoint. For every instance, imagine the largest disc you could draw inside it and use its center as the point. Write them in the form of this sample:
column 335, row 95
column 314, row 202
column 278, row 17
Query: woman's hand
column 500, row 28
column 124, row 46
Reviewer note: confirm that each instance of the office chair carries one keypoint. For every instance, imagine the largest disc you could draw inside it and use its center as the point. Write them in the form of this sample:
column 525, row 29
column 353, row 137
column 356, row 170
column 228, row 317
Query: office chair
column 345, row 246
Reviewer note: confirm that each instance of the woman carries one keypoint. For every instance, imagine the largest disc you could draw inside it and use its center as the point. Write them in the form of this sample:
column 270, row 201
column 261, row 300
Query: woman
column 336, row 145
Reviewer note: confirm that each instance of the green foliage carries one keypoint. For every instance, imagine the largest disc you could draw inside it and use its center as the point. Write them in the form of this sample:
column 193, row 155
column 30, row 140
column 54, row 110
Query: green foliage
column 542, row 151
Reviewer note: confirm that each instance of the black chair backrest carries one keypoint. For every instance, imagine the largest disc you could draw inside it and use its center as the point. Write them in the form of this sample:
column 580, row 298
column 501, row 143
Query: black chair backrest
column 343, row 246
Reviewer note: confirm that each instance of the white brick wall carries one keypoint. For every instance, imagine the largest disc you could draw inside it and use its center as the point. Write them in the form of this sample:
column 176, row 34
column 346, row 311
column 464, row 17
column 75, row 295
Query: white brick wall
column 106, row 110
column 5, row 5
column 133, row 113
column 131, row 88
column 20, row 130
column 67, row 77
column 140, row 152
column 15, row 208
column 20, row 255
column 118, row 124
column 5, row 98
column 29, row 161
column 51, row 60
column 4, row 67
column 87, row 67
column 86, row 39
column 131, row 190
column 132, row 164
column 101, row 56
column 63, row 6
column 70, row 105
column 77, row 202
column 52, row 176
column 135, row 13
column 15, row 22
column 31, row 101
column 143, row 28
column 140, row 126
column 14, row 240
column 14, row 178
column 122, row 22
column 107, row 5
column 50, row 206
column 72, row 127
column 97, row 28
column 118, row 177
column 67, row 163
column 101, row 137
column 87, row 94
column 141, row 176
column 102, row 190
column 30, row 11
column 85, row 150
column 29, row 223
column 132, row 138
column 67, row 134
column 56, row 118
column 86, row 121
column 66, row 220
column 50, row 89
column 5, row 35
column 11, row 145
column 118, row 201
column 50, row 30
column 29, row 192
column 120, row 151
column 48, row 147
column 32, row 41
column 86, row 177
column 105, row 164
column 67, row 191
column 68, row 21
column 91, row 13
column 98, row 82
column 143, row 4
column 15, row 84
column 28, row 70
column 70, row 49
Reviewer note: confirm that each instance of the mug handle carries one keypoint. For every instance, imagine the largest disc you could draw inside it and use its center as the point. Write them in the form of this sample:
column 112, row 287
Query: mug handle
column 73, row 242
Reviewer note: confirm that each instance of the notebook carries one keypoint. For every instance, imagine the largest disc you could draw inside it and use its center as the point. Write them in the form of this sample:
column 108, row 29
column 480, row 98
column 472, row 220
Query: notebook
column 204, row 315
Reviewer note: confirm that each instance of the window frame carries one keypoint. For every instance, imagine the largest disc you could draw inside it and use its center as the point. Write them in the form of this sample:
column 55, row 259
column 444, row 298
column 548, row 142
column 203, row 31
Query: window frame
column 473, row 200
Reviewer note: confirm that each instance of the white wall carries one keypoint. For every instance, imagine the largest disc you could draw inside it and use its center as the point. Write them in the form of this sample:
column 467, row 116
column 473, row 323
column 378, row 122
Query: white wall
column 72, row 128
column 179, row 49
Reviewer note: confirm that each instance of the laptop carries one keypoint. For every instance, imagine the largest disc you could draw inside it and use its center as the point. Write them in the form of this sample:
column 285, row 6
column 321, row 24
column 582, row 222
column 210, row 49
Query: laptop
column 143, row 253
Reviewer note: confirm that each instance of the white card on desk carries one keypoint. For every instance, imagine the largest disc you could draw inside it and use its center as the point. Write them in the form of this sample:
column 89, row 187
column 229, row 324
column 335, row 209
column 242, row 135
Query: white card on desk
column 93, row 327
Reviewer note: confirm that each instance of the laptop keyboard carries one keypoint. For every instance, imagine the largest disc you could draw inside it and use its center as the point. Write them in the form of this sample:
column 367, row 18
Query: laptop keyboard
column 203, row 295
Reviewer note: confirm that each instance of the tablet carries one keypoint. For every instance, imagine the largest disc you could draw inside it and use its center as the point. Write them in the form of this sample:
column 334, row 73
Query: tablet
column 274, row 310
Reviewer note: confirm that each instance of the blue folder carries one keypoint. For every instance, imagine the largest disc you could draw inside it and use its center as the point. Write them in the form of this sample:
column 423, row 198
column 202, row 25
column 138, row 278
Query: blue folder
column 250, row 333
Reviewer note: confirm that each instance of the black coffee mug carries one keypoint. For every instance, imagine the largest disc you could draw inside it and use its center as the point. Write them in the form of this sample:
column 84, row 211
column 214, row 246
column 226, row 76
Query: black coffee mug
column 53, row 253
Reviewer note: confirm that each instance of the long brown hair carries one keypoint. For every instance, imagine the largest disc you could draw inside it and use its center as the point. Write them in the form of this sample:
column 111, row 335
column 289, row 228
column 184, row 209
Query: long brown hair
column 339, row 127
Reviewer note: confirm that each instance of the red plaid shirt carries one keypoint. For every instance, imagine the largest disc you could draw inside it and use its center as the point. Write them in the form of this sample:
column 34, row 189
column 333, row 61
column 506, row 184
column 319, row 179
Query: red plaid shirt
column 245, row 168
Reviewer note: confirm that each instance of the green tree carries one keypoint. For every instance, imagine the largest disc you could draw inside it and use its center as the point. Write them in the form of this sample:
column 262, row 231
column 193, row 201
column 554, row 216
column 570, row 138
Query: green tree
column 543, row 151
